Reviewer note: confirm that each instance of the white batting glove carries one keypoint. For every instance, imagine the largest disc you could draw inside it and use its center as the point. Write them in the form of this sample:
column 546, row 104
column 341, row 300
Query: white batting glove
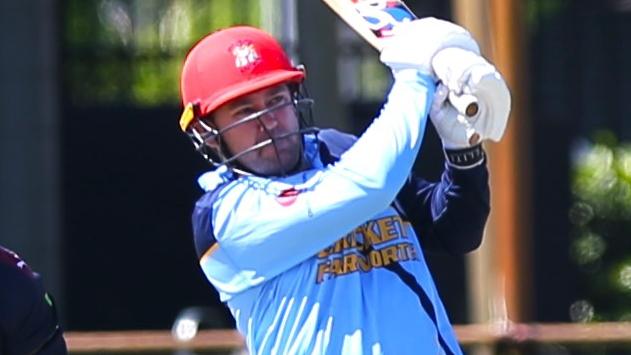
column 414, row 44
column 453, row 128
column 465, row 72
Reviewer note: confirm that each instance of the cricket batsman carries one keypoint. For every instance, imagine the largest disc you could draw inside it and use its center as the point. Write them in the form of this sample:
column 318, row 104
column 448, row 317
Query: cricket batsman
column 28, row 319
column 315, row 238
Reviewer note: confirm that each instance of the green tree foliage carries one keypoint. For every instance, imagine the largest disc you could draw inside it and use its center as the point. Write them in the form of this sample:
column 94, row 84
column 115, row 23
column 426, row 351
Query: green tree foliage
column 130, row 52
column 601, row 222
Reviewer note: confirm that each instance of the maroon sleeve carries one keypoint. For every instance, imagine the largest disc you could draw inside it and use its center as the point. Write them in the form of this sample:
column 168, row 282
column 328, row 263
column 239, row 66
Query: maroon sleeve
column 29, row 323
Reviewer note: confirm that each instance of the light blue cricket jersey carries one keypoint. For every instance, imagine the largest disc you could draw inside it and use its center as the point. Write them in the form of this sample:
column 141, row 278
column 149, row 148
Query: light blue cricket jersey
column 319, row 262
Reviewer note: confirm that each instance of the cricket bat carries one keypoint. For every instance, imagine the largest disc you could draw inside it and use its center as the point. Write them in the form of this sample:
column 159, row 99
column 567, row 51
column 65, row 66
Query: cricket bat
column 374, row 21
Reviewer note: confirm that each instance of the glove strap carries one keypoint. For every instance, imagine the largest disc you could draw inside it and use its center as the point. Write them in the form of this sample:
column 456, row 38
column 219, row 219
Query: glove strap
column 466, row 158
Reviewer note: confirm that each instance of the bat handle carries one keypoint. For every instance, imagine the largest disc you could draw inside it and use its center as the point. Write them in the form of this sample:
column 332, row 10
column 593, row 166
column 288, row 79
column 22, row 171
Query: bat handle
column 465, row 104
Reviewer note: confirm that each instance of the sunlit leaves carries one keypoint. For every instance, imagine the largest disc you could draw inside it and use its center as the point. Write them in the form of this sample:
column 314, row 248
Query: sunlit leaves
column 130, row 52
column 600, row 217
column 588, row 248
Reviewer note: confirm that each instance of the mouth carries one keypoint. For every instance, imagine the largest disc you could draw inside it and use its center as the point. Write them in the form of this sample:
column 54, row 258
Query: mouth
column 278, row 138
column 282, row 144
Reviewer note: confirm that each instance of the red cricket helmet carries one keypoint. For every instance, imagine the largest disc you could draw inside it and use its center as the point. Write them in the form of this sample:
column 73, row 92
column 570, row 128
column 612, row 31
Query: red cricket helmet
column 231, row 63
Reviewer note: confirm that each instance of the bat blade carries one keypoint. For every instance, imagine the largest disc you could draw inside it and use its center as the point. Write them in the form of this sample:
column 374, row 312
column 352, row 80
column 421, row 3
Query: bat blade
column 374, row 21
column 347, row 11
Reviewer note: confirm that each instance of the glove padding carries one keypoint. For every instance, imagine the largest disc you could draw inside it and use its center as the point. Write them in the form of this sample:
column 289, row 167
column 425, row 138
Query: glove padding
column 465, row 72
column 414, row 44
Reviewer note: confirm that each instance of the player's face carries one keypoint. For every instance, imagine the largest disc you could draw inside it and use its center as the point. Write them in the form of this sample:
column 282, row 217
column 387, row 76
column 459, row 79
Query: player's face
column 279, row 123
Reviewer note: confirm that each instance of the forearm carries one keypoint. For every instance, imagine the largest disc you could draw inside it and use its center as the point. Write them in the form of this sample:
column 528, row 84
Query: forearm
column 449, row 215
column 459, row 223
column 382, row 157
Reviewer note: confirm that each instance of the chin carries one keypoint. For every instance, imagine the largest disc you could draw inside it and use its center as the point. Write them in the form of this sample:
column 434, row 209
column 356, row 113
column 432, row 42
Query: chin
column 271, row 167
column 267, row 163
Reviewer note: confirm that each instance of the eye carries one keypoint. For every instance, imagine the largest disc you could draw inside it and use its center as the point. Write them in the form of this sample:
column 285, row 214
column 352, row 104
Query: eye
column 278, row 100
column 243, row 112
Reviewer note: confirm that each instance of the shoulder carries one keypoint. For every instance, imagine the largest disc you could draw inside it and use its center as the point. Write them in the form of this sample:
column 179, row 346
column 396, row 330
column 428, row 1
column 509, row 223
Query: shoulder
column 336, row 142
column 28, row 316
column 20, row 286
column 203, row 234
column 15, row 272
column 207, row 199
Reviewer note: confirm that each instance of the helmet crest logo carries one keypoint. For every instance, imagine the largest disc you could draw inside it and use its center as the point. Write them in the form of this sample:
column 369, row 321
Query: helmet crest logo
column 245, row 55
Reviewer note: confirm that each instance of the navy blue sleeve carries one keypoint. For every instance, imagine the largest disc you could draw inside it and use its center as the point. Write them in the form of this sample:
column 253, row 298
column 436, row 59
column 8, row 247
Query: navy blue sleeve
column 203, row 234
column 448, row 215
column 335, row 143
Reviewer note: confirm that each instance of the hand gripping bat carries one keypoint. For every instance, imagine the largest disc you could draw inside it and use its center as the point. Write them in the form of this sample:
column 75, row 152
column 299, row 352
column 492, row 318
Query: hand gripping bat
column 374, row 20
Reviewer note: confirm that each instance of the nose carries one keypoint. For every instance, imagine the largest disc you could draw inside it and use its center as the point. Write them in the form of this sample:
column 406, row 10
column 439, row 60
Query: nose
column 268, row 121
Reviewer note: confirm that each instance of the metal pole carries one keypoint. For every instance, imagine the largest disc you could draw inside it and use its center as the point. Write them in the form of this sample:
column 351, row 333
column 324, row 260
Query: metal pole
column 279, row 17
column 510, row 161
column 30, row 218
column 499, row 277
column 318, row 30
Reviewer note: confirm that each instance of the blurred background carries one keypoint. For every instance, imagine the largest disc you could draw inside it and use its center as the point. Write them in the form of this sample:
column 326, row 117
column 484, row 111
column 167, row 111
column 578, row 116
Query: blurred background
column 97, row 183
